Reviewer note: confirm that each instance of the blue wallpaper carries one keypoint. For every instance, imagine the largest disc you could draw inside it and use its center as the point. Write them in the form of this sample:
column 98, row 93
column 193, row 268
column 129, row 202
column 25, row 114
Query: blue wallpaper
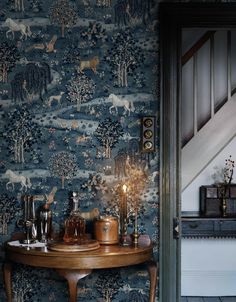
column 75, row 79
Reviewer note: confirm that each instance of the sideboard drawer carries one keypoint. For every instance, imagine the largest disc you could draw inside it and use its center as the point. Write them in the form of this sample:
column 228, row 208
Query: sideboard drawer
column 228, row 225
column 197, row 227
column 208, row 227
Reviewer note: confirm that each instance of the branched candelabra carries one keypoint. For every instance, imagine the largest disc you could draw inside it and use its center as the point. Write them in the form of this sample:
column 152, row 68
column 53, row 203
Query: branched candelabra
column 130, row 193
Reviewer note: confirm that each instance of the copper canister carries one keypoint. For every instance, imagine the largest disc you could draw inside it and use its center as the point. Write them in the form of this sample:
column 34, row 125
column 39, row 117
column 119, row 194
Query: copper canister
column 106, row 230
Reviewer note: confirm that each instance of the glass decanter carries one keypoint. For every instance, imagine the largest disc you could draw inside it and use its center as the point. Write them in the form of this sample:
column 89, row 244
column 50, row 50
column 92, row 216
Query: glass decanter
column 74, row 224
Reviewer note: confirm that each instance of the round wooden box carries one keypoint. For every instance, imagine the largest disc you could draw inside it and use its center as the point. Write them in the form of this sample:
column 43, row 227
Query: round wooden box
column 85, row 245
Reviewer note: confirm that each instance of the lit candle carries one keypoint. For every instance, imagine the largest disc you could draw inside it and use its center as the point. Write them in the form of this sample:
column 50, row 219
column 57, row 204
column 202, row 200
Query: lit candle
column 125, row 200
column 123, row 214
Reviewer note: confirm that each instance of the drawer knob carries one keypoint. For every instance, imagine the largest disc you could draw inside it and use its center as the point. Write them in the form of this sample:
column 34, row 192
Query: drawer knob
column 193, row 225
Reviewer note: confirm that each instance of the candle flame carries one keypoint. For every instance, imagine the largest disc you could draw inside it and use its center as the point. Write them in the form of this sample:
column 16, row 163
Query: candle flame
column 124, row 188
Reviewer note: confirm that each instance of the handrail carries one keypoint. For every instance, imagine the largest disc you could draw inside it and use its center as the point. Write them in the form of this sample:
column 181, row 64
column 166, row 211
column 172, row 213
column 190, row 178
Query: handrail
column 189, row 54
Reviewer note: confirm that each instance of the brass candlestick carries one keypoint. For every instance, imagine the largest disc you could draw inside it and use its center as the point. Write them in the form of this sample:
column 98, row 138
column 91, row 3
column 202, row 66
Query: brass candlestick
column 224, row 207
column 135, row 233
column 223, row 193
column 29, row 221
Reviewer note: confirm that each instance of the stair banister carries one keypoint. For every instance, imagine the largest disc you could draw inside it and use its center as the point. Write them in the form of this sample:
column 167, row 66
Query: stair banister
column 228, row 111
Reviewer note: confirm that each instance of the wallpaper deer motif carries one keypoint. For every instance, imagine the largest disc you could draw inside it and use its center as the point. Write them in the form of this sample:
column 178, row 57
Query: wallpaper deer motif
column 76, row 77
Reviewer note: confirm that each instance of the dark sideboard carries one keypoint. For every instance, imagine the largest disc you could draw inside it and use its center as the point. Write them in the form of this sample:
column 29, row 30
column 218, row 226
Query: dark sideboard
column 194, row 225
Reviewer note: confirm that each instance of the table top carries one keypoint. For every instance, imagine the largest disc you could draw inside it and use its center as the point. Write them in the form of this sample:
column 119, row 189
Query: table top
column 106, row 256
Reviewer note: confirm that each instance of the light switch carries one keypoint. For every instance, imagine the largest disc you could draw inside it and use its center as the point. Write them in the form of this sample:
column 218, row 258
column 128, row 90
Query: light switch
column 148, row 134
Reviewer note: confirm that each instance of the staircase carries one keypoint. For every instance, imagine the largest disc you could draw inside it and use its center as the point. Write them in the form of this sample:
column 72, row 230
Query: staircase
column 208, row 100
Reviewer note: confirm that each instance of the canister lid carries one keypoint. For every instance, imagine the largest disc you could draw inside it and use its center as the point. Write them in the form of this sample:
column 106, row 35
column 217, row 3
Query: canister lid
column 106, row 218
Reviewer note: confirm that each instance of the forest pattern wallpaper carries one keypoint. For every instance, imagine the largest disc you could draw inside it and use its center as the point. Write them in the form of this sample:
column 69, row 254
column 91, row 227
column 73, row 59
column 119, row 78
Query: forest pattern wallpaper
column 76, row 77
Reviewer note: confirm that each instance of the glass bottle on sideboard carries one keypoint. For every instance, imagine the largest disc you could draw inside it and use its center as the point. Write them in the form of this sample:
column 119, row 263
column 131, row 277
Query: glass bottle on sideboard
column 74, row 224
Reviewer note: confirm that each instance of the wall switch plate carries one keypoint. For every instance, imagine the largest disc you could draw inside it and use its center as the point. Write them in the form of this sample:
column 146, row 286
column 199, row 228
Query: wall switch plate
column 148, row 134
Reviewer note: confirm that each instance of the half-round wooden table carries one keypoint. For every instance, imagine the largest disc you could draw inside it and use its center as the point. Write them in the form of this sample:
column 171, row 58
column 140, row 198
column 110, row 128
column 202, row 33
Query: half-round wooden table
column 76, row 265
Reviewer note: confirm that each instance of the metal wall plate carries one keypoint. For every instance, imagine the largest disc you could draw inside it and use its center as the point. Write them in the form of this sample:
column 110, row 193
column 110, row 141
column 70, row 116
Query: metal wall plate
column 148, row 134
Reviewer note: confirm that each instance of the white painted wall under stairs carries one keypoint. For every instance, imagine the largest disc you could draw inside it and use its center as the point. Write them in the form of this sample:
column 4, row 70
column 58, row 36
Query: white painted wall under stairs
column 208, row 267
column 208, row 142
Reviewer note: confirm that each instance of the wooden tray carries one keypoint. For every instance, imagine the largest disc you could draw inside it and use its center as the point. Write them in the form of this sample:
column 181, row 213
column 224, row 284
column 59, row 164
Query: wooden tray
column 86, row 245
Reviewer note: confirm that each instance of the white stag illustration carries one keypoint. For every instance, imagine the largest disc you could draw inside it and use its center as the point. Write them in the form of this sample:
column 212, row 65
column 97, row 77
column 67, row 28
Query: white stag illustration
column 119, row 102
column 17, row 26
column 14, row 178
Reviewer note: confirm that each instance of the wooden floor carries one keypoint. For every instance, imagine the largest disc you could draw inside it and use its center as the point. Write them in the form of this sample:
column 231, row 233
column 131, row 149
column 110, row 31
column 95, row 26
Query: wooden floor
column 208, row 299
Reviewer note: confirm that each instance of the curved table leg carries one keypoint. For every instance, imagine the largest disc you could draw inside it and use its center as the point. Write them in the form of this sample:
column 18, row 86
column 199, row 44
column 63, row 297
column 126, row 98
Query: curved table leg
column 7, row 269
column 152, row 270
column 72, row 277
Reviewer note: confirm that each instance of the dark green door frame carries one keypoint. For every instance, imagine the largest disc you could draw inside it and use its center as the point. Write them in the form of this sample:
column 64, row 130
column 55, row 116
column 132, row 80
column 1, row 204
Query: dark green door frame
column 173, row 18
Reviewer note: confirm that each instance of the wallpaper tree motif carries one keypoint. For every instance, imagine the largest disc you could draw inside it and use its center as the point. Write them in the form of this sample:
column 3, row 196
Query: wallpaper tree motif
column 8, row 56
column 76, row 76
column 124, row 57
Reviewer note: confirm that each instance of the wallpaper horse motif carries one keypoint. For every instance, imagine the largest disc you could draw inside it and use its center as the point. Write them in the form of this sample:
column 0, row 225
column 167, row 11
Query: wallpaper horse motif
column 14, row 178
column 17, row 27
